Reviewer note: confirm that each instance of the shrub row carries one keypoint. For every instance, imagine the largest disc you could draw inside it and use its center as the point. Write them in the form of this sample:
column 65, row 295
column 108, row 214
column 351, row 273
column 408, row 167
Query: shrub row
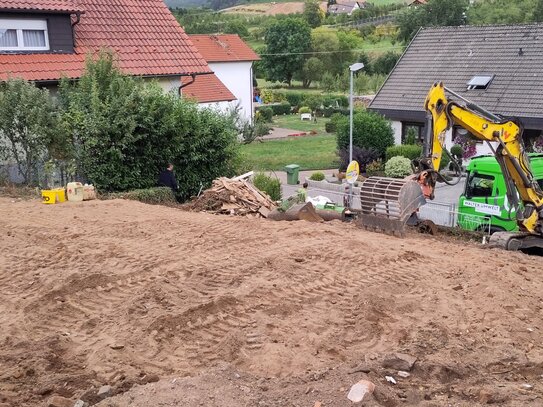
column 408, row 151
column 297, row 99
column 158, row 195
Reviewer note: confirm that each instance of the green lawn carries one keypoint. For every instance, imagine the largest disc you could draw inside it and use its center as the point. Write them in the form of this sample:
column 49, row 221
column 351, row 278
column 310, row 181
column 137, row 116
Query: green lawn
column 293, row 122
column 309, row 152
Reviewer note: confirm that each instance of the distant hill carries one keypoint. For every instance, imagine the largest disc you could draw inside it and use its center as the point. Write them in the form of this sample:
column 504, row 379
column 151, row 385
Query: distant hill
column 185, row 3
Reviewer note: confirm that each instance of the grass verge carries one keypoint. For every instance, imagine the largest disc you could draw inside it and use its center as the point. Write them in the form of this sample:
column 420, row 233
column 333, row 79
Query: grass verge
column 309, row 152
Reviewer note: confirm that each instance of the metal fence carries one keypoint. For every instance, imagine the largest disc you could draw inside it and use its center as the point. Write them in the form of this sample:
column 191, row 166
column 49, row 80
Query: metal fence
column 441, row 213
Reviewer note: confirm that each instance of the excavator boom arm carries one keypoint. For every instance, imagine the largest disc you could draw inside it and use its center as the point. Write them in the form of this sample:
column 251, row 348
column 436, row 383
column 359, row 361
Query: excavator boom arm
column 510, row 152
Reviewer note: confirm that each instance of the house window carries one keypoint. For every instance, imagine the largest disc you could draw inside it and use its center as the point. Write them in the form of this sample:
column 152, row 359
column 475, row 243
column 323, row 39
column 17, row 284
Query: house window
column 23, row 35
column 412, row 132
column 480, row 82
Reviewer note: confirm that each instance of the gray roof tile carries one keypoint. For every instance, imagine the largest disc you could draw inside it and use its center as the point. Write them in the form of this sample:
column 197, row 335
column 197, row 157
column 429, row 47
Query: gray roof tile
column 454, row 55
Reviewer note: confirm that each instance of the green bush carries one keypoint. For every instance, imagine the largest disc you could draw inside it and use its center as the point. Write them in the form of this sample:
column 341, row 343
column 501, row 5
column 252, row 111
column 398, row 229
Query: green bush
column 330, row 127
column 158, row 195
column 374, row 168
column 125, row 131
column 370, row 130
column 281, row 109
column 269, row 185
column 329, row 111
column 343, row 101
column 317, row 176
column 312, row 101
column 457, row 151
column 408, row 151
column 411, row 137
column 398, row 167
column 294, row 98
column 28, row 127
column 445, row 160
column 265, row 114
column 304, row 109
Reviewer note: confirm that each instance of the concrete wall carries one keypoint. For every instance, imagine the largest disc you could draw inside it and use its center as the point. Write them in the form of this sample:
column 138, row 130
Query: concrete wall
column 238, row 78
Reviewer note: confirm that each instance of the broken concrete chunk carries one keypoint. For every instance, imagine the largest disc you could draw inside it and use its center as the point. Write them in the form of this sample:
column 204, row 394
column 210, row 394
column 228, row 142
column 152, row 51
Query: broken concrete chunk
column 80, row 403
column 399, row 361
column 58, row 401
column 360, row 390
column 390, row 379
column 104, row 391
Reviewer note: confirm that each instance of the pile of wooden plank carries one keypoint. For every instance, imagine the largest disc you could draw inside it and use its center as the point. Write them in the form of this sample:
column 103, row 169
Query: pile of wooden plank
column 235, row 197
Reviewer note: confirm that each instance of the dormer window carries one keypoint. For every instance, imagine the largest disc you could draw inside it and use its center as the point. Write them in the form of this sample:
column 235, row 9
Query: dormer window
column 23, row 35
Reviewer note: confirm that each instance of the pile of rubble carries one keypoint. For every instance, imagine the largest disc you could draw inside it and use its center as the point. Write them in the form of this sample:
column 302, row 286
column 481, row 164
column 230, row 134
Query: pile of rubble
column 233, row 197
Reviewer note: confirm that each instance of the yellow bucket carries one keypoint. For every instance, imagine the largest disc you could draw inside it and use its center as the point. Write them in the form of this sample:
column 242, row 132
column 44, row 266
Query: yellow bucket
column 49, row 196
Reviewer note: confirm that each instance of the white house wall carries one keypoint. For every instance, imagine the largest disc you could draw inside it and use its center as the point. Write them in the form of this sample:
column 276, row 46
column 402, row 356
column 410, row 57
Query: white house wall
column 222, row 107
column 397, row 127
column 169, row 83
column 482, row 148
column 238, row 78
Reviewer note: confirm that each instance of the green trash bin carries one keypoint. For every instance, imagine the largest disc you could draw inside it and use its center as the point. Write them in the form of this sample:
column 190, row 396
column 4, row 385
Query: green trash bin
column 293, row 172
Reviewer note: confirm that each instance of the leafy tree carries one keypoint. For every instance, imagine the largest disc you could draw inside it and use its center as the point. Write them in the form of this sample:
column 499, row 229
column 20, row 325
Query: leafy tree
column 125, row 130
column 385, row 63
column 434, row 13
column 538, row 11
column 502, row 12
column 311, row 71
column 237, row 27
column 325, row 44
column 313, row 14
column 28, row 126
column 287, row 43
column 370, row 130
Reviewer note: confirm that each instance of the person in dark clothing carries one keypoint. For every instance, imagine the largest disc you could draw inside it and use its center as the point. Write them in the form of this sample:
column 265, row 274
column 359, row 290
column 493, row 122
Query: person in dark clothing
column 167, row 178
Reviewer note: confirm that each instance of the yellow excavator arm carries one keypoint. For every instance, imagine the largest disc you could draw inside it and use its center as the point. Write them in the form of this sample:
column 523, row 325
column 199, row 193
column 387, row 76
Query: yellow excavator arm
column 507, row 146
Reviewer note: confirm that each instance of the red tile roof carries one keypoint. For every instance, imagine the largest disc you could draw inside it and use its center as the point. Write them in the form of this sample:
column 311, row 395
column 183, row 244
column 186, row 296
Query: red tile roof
column 223, row 48
column 145, row 36
column 206, row 89
column 63, row 6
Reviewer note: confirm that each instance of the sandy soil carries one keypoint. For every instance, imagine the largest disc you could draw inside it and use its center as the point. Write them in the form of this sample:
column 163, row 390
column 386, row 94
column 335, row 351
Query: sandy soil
column 172, row 308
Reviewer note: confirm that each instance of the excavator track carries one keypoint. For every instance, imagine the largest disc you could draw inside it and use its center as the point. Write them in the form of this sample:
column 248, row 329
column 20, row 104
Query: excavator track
column 515, row 241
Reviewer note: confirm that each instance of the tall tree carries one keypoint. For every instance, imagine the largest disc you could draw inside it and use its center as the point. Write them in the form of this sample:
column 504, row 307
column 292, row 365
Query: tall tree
column 538, row 11
column 288, row 42
column 313, row 14
column 28, row 126
column 434, row 13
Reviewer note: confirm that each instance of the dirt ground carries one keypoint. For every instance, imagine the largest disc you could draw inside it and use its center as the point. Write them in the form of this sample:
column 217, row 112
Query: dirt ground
column 171, row 308
column 272, row 8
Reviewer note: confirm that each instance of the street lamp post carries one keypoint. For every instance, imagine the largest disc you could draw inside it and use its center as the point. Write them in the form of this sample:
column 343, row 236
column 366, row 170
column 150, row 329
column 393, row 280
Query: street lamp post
column 353, row 68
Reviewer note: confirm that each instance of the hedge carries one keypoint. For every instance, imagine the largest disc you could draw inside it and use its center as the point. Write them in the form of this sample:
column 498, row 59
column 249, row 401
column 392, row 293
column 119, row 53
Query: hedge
column 281, row 109
column 411, row 151
column 265, row 113
column 158, row 195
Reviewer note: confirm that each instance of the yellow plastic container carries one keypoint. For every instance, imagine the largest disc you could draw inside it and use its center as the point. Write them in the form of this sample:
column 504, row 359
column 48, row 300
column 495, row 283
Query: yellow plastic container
column 61, row 194
column 49, row 196
column 75, row 191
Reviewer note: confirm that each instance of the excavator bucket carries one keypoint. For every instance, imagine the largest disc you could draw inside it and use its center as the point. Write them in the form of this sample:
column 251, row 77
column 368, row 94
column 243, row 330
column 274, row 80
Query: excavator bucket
column 388, row 203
